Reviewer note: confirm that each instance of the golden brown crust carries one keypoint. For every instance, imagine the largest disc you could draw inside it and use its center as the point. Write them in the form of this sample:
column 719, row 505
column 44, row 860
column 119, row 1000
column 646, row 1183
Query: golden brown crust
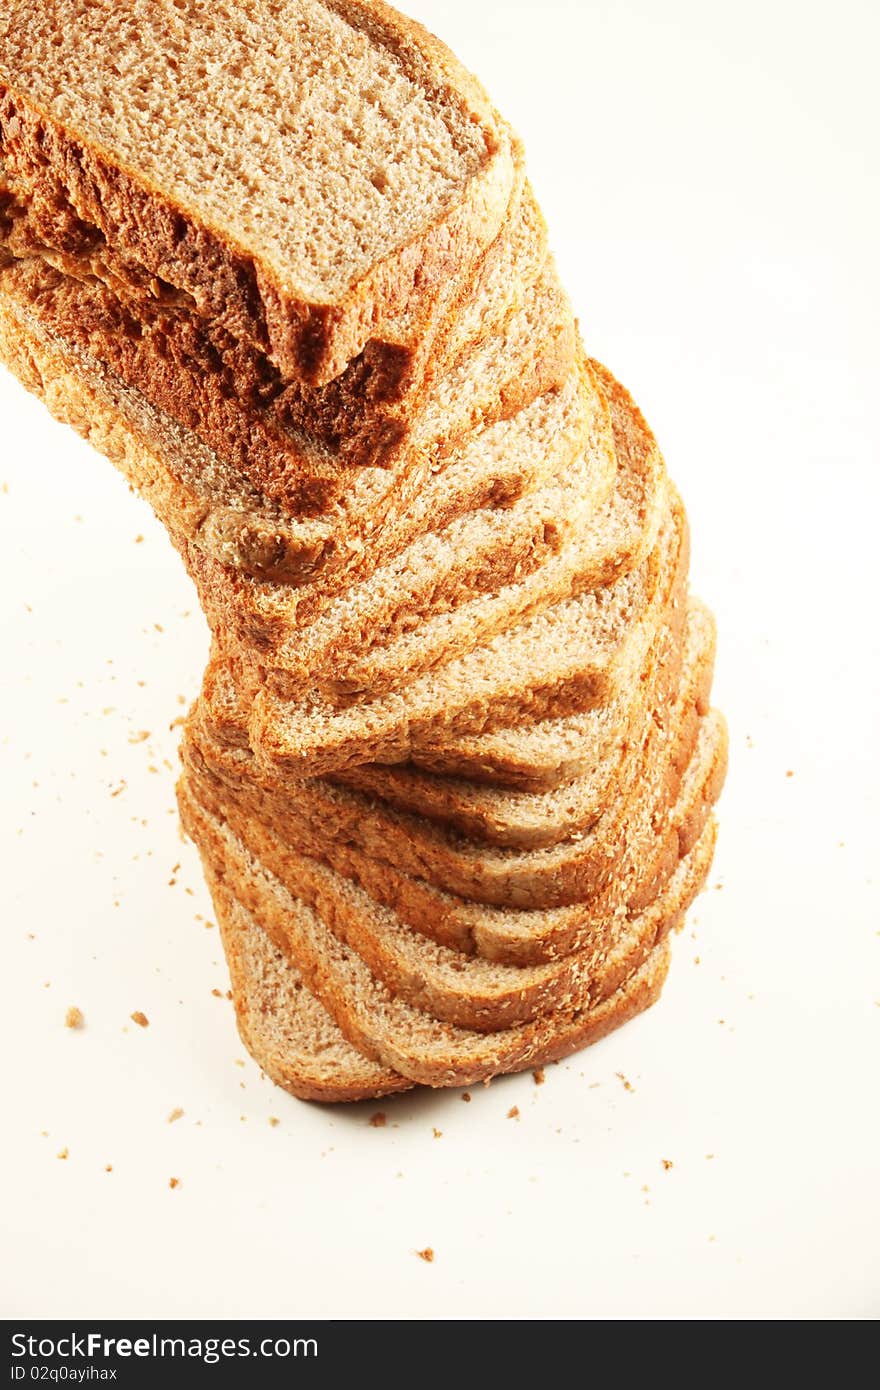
column 312, row 341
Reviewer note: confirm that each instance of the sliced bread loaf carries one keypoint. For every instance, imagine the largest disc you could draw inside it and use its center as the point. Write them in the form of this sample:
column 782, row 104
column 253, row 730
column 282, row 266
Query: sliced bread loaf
column 285, row 438
column 354, row 643
column 380, row 515
column 559, row 661
column 314, row 816
column 345, row 165
column 473, row 992
column 412, row 1042
column 197, row 497
column 356, row 647
column 589, row 748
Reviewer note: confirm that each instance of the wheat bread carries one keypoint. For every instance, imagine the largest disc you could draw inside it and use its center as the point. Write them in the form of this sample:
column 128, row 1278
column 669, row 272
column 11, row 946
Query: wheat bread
column 561, row 660
column 411, row 1042
column 474, row 992
column 379, row 517
column 301, row 452
column 352, row 645
column 316, row 816
column 535, row 1047
column 591, row 746
column 199, row 501
column 467, row 992
column 421, row 607
column 289, row 1034
column 345, row 165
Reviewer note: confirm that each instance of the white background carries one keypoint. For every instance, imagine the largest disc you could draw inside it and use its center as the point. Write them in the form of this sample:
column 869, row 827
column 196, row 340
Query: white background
column 709, row 173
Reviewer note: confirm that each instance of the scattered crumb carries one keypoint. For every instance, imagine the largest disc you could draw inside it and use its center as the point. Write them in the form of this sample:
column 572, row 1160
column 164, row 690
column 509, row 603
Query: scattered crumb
column 140, row 737
column 696, row 960
column 238, row 1061
column 379, row 1120
column 174, row 1182
column 63, row 1153
column 438, row 1133
column 108, row 1167
column 538, row 1076
column 645, row 1187
column 74, row 1018
column 710, row 1155
column 427, row 1255
column 711, row 1239
column 140, row 1019
column 138, row 540
column 177, row 723
column 466, row 1097
column 667, row 1163
column 627, row 1085
column 176, row 1114
column 789, row 773
column 274, row 1120
column 119, row 789
column 513, row 1113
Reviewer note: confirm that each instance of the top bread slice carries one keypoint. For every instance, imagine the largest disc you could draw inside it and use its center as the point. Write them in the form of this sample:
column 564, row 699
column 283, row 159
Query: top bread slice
column 339, row 164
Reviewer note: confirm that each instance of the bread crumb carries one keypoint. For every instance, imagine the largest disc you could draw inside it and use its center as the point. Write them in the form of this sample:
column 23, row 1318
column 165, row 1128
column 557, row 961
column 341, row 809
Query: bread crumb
column 379, row 1120
column 274, row 1120
column 627, row 1085
column 138, row 540
column 174, row 1182
column 710, row 1155
column 438, row 1133
column 63, row 1153
column 538, row 1076
column 513, row 1113
column 108, row 1167
column 466, row 1097
column 140, row 737
column 176, row 1114
column 217, row 993
column 667, row 1163
column 427, row 1255
column 74, row 1018
column 789, row 773
column 140, row 1019
column 712, row 1240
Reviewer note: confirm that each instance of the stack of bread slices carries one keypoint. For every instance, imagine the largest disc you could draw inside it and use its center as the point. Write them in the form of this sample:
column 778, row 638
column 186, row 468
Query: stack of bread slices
column 452, row 769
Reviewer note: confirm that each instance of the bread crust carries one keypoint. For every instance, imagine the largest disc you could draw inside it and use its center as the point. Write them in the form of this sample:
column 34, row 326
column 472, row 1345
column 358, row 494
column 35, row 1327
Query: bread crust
column 82, row 183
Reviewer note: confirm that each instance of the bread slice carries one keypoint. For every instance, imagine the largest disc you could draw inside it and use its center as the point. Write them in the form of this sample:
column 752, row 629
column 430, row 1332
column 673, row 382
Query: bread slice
column 284, row 1049
column 473, row 993
column 352, row 645
column 412, row 1042
column 465, row 992
column 197, row 498
column 286, row 439
column 289, row 1034
column 561, row 660
column 345, row 165
column 314, row 816
column 596, row 744
column 499, row 465
column 356, row 646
